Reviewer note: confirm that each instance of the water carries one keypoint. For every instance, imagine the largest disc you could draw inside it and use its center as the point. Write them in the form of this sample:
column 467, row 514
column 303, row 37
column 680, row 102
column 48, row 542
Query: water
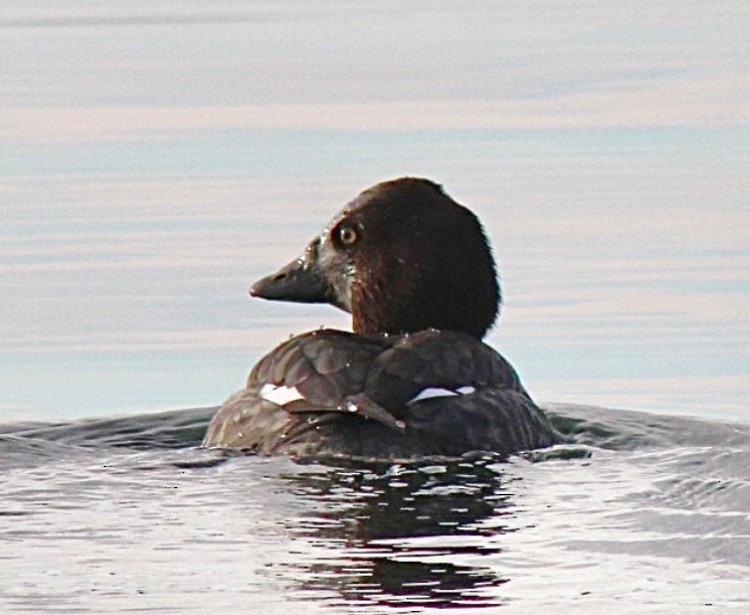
column 639, row 513
column 157, row 158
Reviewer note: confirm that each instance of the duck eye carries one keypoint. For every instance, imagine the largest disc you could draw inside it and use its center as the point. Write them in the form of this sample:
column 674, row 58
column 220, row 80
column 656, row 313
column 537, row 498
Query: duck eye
column 348, row 236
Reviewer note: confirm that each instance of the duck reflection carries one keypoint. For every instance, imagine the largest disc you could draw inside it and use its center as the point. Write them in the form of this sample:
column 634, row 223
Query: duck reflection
column 404, row 535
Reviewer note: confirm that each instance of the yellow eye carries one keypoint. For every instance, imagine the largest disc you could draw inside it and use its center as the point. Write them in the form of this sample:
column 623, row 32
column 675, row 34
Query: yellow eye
column 348, row 236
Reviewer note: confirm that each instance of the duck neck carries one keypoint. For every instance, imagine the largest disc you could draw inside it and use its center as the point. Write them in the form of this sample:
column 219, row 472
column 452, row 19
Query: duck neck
column 472, row 313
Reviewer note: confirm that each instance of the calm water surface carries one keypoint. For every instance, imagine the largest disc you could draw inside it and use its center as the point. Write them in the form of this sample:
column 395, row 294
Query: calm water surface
column 156, row 159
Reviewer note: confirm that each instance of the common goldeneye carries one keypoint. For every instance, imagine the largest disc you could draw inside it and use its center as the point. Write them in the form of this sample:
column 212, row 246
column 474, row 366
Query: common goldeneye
column 414, row 379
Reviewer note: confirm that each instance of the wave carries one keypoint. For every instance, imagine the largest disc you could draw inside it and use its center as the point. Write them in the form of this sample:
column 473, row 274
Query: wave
column 586, row 428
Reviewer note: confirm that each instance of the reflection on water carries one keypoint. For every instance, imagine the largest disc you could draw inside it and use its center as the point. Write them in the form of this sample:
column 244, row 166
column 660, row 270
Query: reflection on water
column 397, row 534
column 156, row 159
column 128, row 514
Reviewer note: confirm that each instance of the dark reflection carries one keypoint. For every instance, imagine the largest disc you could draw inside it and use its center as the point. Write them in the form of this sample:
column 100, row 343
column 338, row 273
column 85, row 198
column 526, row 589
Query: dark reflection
column 403, row 535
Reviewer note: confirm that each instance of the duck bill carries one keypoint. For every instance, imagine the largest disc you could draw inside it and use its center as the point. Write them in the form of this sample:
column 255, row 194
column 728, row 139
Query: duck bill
column 300, row 281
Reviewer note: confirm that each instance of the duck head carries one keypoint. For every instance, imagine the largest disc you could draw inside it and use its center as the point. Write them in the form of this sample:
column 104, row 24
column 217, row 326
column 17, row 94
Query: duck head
column 401, row 257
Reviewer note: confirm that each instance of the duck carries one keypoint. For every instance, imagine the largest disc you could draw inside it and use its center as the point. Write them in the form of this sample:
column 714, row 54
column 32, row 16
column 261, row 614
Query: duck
column 414, row 378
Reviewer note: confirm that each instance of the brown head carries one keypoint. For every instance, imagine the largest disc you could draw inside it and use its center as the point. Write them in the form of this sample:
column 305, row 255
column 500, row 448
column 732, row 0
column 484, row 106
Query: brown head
column 401, row 257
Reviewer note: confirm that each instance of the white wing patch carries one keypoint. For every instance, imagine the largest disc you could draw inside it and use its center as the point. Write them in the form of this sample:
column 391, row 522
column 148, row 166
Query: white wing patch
column 431, row 392
column 280, row 395
column 283, row 395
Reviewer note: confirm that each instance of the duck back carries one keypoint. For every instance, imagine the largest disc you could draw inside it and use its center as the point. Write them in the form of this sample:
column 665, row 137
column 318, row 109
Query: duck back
column 331, row 393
